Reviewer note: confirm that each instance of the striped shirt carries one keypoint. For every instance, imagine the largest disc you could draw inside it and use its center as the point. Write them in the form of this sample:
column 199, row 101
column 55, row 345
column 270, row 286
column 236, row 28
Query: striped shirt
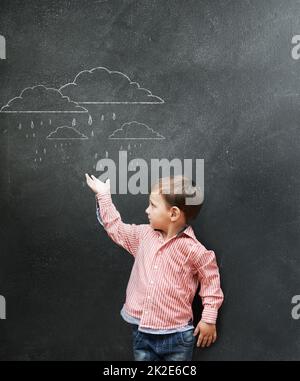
column 165, row 274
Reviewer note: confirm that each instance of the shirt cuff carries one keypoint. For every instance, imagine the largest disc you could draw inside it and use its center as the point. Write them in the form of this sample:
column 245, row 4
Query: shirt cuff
column 104, row 198
column 209, row 315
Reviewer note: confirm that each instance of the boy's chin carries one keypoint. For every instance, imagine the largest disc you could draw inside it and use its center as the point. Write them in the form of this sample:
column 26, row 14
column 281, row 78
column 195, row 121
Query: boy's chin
column 154, row 226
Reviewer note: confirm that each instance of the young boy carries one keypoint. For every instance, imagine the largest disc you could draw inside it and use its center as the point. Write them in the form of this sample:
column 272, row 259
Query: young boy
column 169, row 263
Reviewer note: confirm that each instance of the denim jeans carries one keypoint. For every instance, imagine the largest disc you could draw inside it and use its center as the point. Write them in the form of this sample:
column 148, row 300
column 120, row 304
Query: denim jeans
column 176, row 346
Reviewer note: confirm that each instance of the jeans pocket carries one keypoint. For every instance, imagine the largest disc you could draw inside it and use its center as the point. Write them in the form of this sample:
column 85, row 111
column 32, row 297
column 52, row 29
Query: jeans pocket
column 187, row 338
column 136, row 335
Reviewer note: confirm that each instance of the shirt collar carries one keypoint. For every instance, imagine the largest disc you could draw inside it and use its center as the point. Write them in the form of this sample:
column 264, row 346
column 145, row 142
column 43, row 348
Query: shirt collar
column 187, row 230
column 182, row 230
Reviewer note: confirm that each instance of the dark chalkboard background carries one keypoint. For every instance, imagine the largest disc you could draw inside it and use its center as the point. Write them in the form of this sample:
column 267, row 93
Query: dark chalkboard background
column 229, row 94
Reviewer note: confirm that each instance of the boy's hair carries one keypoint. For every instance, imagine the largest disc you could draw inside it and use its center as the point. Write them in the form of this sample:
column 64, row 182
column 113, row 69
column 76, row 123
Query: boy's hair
column 177, row 190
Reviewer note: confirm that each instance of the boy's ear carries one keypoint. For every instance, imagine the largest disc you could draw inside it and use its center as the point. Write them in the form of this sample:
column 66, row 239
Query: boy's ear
column 174, row 212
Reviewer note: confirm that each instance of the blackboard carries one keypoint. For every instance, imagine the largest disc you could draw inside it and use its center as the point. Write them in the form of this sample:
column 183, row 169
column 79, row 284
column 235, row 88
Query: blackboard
column 211, row 80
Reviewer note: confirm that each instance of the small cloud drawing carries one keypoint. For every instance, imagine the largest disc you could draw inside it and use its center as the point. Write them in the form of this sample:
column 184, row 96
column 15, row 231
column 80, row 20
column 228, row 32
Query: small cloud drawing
column 135, row 130
column 42, row 99
column 102, row 86
column 66, row 133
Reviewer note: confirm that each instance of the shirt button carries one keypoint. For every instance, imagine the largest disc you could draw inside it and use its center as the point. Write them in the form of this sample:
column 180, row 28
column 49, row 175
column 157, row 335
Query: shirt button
column 151, row 281
column 149, row 297
column 155, row 267
column 146, row 312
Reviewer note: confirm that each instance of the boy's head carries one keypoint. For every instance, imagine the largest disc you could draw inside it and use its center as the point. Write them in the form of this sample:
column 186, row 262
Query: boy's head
column 173, row 200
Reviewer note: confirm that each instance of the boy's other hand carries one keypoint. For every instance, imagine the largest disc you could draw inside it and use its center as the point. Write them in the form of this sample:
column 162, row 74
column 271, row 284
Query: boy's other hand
column 208, row 334
column 97, row 185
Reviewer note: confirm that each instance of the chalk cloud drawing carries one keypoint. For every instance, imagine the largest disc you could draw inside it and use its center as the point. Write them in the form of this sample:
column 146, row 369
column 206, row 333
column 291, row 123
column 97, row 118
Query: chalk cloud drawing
column 98, row 86
column 42, row 99
column 66, row 133
column 2, row 48
column 103, row 86
column 135, row 130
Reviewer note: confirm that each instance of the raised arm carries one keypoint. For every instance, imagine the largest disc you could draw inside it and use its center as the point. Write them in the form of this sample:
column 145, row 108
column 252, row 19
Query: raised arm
column 125, row 235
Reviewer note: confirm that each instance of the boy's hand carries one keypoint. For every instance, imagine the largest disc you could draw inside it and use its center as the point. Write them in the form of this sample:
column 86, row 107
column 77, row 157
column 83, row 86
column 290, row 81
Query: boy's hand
column 97, row 185
column 208, row 334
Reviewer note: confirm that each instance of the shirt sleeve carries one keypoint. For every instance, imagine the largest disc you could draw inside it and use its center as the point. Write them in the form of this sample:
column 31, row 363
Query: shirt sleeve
column 128, row 236
column 210, row 292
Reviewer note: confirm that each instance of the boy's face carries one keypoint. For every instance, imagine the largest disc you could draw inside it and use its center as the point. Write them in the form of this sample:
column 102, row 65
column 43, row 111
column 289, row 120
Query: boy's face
column 158, row 212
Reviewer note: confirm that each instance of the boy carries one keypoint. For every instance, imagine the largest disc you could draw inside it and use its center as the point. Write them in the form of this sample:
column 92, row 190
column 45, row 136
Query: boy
column 169, row 263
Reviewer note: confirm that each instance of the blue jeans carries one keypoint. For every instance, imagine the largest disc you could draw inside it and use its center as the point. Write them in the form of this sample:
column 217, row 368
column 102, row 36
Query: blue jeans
column 176, row 346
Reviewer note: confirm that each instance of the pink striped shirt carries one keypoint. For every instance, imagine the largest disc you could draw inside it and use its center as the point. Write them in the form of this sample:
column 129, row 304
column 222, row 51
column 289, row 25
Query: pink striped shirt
column 165, row 274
